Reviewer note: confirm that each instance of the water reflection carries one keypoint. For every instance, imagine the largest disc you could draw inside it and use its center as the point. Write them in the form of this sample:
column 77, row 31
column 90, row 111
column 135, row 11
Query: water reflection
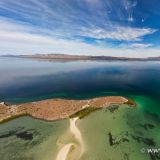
column 25, row 79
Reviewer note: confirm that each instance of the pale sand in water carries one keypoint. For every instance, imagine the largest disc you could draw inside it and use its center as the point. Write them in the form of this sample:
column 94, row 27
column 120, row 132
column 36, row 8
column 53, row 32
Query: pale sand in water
column 63, row 153
column 76, row 132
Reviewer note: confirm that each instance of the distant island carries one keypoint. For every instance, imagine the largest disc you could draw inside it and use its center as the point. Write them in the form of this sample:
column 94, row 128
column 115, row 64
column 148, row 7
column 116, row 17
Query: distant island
column 55, row 109
column 67, row 57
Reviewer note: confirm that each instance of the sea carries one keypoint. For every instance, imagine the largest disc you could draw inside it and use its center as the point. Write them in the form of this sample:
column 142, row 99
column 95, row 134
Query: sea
column 123, row 133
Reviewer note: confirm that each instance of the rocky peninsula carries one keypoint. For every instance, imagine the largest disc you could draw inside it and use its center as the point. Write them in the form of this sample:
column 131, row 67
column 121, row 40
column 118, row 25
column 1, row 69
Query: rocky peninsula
column 55, row 109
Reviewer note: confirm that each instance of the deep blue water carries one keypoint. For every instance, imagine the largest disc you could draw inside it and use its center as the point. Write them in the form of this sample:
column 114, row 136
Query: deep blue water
column 24, row 80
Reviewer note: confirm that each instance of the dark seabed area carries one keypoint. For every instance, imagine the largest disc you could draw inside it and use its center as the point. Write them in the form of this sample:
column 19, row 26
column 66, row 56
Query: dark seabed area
column 30, row 139
column 118, row 133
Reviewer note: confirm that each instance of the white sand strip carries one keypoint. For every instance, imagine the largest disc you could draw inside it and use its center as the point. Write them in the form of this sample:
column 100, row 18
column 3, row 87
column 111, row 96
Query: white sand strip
column 125, row 99
column 76, row 132
column 62, row 154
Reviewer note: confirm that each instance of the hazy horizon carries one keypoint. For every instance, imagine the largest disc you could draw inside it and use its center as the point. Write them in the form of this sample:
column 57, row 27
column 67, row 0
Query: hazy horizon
column 114, row 56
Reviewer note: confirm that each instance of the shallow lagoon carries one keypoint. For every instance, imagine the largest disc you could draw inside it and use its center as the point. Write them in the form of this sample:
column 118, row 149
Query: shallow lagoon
column 27, row 138
column 132, row 129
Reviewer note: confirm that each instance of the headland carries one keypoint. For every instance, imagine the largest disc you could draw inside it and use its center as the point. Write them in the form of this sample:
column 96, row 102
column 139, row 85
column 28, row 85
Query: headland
column 55, row 109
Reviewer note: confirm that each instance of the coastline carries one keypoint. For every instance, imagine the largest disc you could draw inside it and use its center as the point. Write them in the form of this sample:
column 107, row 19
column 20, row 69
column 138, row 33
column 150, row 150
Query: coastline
column 56, row 109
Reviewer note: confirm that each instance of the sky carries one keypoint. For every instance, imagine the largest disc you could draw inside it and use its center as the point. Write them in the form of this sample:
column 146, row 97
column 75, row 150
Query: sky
column 125, row 28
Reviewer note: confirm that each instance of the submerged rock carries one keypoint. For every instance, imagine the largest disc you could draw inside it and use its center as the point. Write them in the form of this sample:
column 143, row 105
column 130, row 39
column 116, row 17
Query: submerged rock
column 25, row 135
column 147, row 141
column 147, row 126
column 111, row 143
column 113, row 108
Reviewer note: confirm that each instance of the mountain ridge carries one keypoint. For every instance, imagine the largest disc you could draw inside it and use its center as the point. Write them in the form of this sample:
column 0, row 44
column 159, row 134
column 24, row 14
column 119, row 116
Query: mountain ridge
column 67, row 57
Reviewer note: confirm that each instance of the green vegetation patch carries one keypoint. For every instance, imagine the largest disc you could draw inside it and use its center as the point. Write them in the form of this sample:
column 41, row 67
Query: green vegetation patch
column 81, row 114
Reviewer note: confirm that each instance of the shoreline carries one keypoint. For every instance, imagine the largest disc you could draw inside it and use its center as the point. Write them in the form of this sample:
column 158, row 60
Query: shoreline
column 56, row 109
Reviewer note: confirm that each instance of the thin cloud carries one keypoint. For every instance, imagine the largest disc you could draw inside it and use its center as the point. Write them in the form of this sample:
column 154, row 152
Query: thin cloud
column 23, row 41
column 118, row 33
column 141, row 45
column 36, row 26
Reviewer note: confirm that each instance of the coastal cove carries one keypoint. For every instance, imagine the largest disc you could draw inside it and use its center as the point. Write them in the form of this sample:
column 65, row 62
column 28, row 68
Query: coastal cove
column 123, row 130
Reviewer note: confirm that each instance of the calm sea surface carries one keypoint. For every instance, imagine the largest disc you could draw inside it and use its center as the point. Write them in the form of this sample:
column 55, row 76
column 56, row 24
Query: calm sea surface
column 23, row 80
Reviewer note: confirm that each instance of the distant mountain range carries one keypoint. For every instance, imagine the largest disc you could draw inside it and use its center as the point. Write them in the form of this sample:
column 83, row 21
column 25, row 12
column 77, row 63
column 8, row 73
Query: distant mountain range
column 66, row 57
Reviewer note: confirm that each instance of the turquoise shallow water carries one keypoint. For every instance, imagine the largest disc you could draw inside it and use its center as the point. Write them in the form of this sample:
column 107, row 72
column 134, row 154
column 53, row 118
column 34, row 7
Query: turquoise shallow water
column 30, row 139
column 131, row 129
